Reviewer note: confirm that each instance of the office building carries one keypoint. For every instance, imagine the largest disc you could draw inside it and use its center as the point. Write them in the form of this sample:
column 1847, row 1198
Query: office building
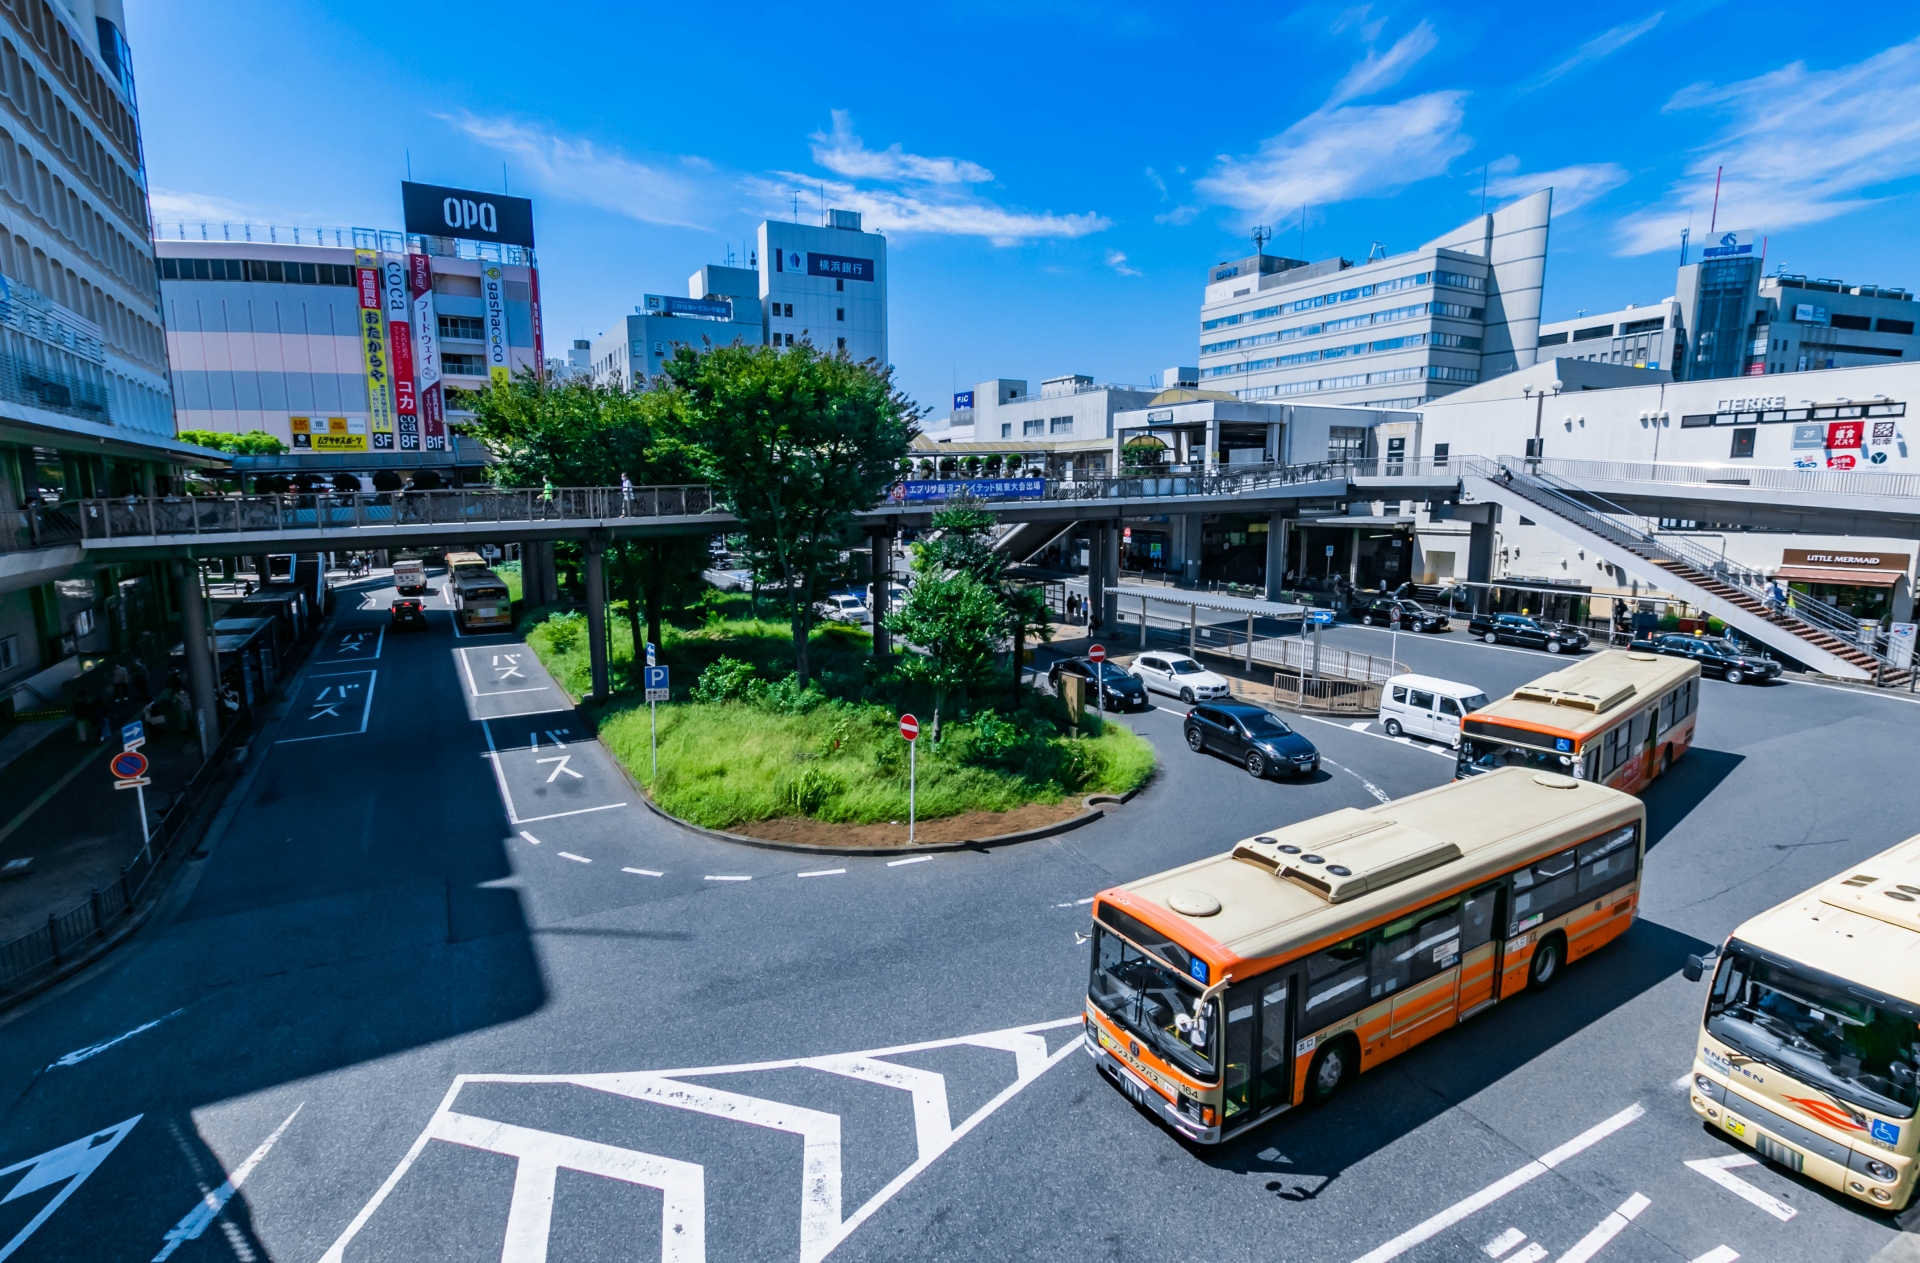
column 84, row 407
column 722, row 308
column 577, row 365
column 1652, row 337
column 266, row 335
column 1394, row 332
column 827, row 285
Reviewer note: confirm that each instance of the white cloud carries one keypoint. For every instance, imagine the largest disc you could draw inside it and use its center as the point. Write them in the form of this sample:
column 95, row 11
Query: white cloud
column 1338, row 153
column 581, row 171
column 1573, row 186
column 1360, row 17
column 915, row 210
column 1376, row 72
column 1118, row 262
column 843, row 152
column 1600, row 46
column 1799, row 147
column 1153, row 178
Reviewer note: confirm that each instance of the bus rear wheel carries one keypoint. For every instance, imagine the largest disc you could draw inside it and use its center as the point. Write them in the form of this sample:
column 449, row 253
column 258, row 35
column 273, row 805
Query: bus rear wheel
column 1549, row 958
column 1329, row 1069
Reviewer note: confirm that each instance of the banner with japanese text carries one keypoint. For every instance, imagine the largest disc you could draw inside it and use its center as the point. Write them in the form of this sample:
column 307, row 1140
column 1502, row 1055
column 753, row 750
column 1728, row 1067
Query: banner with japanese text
column 399, row 311
column 426, row 352
column 373, row 350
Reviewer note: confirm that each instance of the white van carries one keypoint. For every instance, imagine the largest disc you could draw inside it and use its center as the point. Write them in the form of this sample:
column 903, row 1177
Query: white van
column 1423, row 706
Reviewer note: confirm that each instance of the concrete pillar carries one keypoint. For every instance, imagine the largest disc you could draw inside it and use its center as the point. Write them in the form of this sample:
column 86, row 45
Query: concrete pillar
column 1212, row 441
column 264, row 568
column 1193, row 539
column 201, row 680
column 880, row 577
column 1276, row 555
column 1480, row 562
column 1110, row 608
column 539, row 585
column 1096, row 575
column 597, row 614
column 1274, row 454
column 1353, row 560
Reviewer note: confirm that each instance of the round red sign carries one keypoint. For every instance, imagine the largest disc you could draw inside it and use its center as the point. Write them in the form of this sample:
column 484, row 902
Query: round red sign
column 129, row 764
column 1097, row 654
column 909, row 727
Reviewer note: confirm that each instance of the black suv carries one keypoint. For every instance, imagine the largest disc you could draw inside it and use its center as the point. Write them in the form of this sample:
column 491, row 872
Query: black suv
column 1252, row 736
column 1123, row 690
column 1413, row 616
column 1715, row 656
column 1518, row 629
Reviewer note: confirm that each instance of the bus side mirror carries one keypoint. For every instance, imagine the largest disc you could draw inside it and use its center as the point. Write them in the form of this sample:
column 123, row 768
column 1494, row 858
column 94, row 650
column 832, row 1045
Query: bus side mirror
column 1694, row 967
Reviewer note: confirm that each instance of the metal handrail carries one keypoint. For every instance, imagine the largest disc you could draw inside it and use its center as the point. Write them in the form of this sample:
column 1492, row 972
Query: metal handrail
column 1764, row 478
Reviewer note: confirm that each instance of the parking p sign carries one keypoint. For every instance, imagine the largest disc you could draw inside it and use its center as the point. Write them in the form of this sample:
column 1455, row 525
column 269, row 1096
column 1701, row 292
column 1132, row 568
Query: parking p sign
column 656, row 682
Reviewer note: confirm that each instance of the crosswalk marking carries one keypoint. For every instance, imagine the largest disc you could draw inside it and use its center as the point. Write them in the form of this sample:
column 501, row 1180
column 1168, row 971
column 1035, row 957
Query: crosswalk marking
column 540, row 1155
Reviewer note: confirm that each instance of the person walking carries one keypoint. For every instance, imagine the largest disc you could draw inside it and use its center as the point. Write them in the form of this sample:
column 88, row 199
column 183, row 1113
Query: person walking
column 122, row 683
column 546, row 495
column 626, row 495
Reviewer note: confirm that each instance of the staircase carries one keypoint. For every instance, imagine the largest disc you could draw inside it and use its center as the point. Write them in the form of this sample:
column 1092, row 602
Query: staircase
column 1017, row 541
column 1810, row 632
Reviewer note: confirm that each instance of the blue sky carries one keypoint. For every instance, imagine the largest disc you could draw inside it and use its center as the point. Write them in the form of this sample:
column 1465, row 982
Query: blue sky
column 1053, row 179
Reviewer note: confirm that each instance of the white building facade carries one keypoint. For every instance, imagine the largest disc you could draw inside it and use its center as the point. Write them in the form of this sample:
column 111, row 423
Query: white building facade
column 826, row 285
column 1396, row 331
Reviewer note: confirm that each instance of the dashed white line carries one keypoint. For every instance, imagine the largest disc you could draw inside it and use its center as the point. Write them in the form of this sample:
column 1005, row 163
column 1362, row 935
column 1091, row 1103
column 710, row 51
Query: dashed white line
column 643, row 872
column 911, row 859
column 1684, row 1082
column 79, row 1055
column 1080, row 903
column 1532, row 1254
column 823, row 872
column 1719, row 1254
column 578, row 859
column 1437, row 1224
column 723, row 878
column 1607, row 1229
column 529, row 837
column 1504, row 1242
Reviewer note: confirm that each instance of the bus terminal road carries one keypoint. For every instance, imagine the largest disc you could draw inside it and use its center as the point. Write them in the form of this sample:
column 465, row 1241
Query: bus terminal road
column 443, row 989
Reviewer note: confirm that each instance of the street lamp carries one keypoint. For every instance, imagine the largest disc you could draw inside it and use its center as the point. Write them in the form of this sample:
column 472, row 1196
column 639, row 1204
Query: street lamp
column 1540, row 402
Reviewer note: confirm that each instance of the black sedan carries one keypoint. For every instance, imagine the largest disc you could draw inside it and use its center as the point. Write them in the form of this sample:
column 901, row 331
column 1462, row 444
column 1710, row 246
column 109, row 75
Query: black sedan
column 1716, row 656
column 1123, row 691
column 1382, row 611
column 409, row 614
column 1532, row 633
column 1252, row 736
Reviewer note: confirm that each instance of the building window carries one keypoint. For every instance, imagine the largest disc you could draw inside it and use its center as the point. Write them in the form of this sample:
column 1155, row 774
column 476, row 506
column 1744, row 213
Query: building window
column 1346, row 442
column 1888, row 325
column 839, row 313
column 840, row 284
column 789, row 312
column 843, row 344
column 1743, row 442
column 464, row 365
column 1440, row 453
column 1006, row 429
column 789, row 339
column 9, row 652
column 1060, row 425
column 1033, row 428
column 468, row 327
column 1860, row 323
column 1553, row 339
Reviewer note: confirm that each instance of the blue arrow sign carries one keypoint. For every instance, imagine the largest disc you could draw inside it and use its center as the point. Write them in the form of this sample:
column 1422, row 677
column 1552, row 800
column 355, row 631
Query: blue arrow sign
column 650, row 652
column 1319, row 616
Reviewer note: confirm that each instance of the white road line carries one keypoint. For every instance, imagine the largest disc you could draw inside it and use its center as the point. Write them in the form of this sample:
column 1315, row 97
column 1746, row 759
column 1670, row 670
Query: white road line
column 366, row 711
column 529, row 837
column 643, row 872
column 69, row 1164
column 79, row 1055
column 1532, row 1254
column 1493, row 1192
column 1884, row 696
column 726, row 879
column 1504, row 1242
column 578, row 859
column 1375, row 790
column 1607, row 1229
column 1716, row 1169
column 581, row 812
column 1719, row 1254
column 1421, row 746
column 1081, row 903
column 212, row 1203
column 499, row 776
column 912, row 859
column 1361, row 726
column 823, row 872
column 1684, row 1082
column 1170, row 710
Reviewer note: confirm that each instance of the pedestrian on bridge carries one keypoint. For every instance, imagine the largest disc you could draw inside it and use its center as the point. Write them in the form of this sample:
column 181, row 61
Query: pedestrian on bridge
column 626, row 495
column 546, row 495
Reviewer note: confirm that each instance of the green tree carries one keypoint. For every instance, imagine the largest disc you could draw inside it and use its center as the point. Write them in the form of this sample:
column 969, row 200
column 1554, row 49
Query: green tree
column 953, row 621
column 796, row 441
column 252, row 443
column 960, row 537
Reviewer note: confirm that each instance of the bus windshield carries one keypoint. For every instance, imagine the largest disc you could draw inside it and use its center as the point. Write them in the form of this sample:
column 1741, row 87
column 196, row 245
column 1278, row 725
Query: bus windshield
column 1148, row 1000
column 1834, row 1036
column 1483, row 754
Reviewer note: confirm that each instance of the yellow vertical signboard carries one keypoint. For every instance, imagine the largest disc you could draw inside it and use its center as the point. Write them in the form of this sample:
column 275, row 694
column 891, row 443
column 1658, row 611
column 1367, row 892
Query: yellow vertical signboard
column 373, row 348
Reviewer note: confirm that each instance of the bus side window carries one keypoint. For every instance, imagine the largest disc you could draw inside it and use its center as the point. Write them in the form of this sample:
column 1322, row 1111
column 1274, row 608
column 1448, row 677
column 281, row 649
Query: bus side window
column 1276, row 1049
column 1544, row 890
column 1476, row 917
column 1336, row 983
column 1608, row 861
column 1416, row 948
column 1669, row 708
column 1238, row 1081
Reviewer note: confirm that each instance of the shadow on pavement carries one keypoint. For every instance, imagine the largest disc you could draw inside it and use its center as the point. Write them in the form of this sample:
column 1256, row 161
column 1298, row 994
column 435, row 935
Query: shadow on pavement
column 1672, row 798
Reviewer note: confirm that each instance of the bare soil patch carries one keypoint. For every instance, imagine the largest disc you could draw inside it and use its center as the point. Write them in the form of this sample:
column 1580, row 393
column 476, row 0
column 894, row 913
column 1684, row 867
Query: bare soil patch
column 966, row 826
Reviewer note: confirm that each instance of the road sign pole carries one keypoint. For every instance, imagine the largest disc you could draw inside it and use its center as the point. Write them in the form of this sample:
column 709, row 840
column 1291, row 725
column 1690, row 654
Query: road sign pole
column 146, row 842
column 653, row 722
column 913, row 777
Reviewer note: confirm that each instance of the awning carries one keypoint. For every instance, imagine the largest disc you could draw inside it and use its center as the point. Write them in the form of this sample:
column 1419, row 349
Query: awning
column 1842, row 577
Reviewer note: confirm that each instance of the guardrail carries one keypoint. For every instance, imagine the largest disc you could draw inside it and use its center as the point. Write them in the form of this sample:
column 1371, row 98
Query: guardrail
column 1763, row 478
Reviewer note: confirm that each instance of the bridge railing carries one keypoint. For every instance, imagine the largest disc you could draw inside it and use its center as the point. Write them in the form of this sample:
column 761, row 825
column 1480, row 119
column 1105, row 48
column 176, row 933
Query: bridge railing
column 1858, row 482
column 132, row 517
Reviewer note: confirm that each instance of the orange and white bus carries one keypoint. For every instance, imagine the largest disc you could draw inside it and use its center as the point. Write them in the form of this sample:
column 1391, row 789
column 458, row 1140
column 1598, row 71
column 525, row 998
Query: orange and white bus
column 480, row 600
column 1809, row 1049
column 1618, row 718
column 1232, row 989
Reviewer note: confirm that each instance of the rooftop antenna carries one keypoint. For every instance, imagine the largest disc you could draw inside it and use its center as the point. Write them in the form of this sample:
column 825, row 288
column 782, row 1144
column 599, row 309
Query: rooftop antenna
column 1714, row 223
column 1683, row 244
column 1261, row 235
column 795, row 199
column 503, row 179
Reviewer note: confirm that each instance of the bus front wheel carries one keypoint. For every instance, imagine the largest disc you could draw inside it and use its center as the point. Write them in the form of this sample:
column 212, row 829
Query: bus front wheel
column 1329, row 1069
column 1549, row 958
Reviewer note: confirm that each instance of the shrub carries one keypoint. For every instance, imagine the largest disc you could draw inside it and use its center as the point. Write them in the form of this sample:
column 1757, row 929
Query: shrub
column 727, row 680
column 807, row 791
column 789, row 697
column 565, row 629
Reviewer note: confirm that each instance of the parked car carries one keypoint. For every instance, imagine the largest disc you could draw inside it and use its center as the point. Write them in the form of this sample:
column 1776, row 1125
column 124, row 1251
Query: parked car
column 1123, row 691
column 1715, row 655
column 1253, row 737
column 1424, row 706
column 409, row 614
column 1180, row 676
column 1533, row 633
column 842, row 607
column 1413, row 616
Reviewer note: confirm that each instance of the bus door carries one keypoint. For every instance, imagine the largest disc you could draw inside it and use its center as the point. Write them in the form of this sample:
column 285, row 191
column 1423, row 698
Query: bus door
column 1481, row 944
column 1258, row 1048
column 1417, row 960
column 1649, row 759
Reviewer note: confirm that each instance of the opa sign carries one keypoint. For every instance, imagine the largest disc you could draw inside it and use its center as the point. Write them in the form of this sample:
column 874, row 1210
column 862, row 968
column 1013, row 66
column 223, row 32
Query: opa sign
column 436, row 211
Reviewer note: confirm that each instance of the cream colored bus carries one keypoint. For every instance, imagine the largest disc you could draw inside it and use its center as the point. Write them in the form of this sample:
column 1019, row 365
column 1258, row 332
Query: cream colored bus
column 1810, row 1045
column 1230, row 990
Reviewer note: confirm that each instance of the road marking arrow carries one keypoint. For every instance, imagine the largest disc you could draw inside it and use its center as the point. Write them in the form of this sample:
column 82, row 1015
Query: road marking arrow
column 72, row 1162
